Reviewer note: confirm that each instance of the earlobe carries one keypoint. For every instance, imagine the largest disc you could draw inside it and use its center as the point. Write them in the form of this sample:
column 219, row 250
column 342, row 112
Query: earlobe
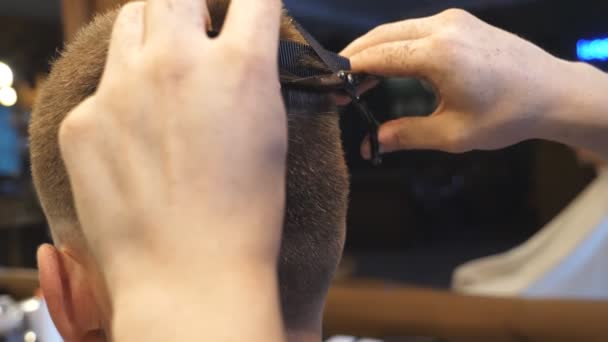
column 68, row 295
column 52, row 280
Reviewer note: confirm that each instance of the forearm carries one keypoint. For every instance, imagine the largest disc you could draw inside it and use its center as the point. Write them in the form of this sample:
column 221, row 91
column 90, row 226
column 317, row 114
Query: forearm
column 578, row 115
column 231, row 305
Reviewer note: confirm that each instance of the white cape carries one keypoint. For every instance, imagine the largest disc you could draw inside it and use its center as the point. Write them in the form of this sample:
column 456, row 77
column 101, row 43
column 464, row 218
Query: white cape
column 568, row 258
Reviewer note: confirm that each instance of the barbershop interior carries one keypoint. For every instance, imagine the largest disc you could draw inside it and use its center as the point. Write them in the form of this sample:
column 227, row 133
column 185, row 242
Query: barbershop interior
column 503, row 245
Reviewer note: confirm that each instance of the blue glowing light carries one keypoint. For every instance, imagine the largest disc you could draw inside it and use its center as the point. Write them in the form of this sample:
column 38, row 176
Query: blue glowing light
column 592, row 49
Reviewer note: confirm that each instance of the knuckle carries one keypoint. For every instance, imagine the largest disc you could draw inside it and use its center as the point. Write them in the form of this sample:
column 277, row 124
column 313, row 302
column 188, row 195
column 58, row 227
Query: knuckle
column 130, row 11
column 442, row 48
column 248, row 65
column 448, row 46
column 454, row 141
column 399, row 141
column 244, row 56
column 112, row 87
column 74, row 128
column 455, row 15
column 134, row 6
column 379, row 30
column 399, row 138
column 437, row 43
column 395, row 56
column 162, row 67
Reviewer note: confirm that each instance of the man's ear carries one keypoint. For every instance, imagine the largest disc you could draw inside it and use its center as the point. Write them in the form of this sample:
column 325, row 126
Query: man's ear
column 68, row 292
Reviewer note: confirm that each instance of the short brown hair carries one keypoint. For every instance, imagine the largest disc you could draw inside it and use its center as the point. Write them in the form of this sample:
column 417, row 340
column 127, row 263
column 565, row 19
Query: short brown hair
column 317, row 185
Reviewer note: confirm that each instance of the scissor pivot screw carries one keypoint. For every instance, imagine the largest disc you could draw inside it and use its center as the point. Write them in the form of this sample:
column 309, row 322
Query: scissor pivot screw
column 351, row 79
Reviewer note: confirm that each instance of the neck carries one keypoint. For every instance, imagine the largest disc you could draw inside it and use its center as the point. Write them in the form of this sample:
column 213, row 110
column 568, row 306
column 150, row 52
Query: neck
column 304, row 335
column 308, row 330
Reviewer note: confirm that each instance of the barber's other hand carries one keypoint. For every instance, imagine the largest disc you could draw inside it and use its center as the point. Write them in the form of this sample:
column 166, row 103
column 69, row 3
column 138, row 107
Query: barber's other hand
column 178, row 159
column 492, row 85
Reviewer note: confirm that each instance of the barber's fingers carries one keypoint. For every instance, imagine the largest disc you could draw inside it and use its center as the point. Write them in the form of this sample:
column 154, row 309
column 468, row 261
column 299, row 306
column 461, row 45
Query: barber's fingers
column 127, row 34
column 404, row 30
column 441, row 132
column 167, row 20
column 255, row 24
column 411, row 58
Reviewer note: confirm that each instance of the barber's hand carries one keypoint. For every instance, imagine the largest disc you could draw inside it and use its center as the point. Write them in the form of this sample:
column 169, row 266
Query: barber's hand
column 177, row 163
column 493, row 86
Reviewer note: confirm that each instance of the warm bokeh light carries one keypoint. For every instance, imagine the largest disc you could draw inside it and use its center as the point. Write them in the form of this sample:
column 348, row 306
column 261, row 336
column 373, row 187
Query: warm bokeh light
column 30, row 336
column 6, row 75
column 8, row 96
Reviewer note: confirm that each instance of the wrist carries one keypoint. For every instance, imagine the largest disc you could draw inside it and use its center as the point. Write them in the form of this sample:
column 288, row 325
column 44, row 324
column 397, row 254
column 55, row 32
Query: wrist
column 578, row 115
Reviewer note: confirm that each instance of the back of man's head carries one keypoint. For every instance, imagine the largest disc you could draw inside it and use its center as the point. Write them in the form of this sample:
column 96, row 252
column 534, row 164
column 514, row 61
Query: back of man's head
column 316, row 183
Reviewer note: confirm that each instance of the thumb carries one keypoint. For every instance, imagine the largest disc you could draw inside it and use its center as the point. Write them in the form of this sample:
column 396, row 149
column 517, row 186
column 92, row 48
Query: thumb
column 415, row 133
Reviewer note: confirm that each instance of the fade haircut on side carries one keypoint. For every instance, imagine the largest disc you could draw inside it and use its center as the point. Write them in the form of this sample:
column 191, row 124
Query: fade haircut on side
column 317, row 185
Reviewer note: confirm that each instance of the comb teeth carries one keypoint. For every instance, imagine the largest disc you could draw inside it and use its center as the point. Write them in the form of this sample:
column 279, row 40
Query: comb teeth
column 292, row 53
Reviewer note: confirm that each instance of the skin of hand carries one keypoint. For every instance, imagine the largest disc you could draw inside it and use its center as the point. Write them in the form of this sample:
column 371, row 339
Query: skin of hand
column 495, row 89
column 177, row 165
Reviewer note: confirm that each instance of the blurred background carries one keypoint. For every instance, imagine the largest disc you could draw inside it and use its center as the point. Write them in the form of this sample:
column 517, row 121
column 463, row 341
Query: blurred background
column 411, row 220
